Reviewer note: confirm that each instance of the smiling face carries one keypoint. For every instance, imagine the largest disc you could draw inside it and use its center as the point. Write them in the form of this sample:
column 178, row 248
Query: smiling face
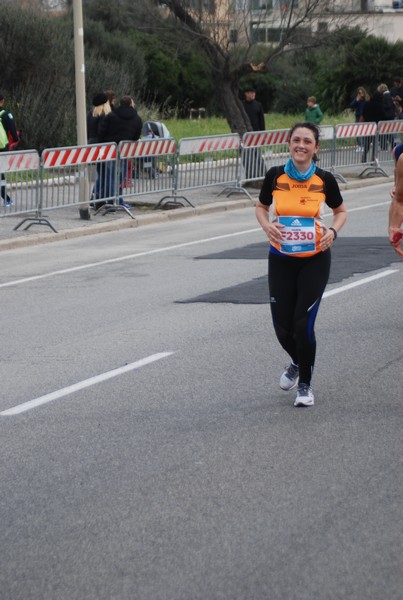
column 303, row 146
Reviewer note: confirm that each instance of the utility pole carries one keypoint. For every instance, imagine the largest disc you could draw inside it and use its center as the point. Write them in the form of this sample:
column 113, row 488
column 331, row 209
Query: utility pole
column 80, row 102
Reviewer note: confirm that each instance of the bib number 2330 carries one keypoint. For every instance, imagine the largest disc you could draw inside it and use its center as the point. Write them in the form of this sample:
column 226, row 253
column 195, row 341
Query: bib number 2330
column 298, row 234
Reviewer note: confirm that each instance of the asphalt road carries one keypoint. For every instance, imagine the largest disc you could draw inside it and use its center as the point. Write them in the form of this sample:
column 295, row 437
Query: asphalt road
column 147, row 450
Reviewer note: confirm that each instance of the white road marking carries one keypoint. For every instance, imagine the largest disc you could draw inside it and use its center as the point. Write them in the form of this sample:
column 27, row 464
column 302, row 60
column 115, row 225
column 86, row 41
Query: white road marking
column 368, row 206
column 110, row 261
column 20, row 408
column 362, row 281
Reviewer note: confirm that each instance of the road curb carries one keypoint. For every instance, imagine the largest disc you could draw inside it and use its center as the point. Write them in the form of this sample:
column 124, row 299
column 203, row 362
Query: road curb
column 141, row 220
column 359, row 183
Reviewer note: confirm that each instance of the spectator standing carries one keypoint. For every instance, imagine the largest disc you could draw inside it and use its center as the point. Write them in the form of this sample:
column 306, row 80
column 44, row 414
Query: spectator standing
column 359, row 102
column 313, row 114
column 122, row 124
column 387, row 100
column 396, row 90
column 253, row 161
column 358, row 106
column 373, row 112
column 398, row 107
column 100, row 109
column 254, row 110
column 390, row 113
column 8, row 131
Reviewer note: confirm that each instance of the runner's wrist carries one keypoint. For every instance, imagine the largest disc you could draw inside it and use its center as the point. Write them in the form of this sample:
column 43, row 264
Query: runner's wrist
column 334, row 233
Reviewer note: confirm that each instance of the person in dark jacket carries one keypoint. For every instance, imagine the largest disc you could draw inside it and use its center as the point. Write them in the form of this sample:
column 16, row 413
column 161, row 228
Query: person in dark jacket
column 8, row 123
column 390, row 112
column 122, row 124
column 396, row 90
column 373, row 112
column 98, row 113
column 358, row 106
column 358, row 103
column 100, row 109
column 254, row 110
column 388, row 105
column 253, row 160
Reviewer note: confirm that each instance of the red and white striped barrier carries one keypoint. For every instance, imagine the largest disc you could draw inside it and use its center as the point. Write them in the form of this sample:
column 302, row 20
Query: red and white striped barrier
column 214, row 143
column 19, row 161
column 254, row 139
column 355, row 130
column 78, row 155
column 142, row 148
column 390, row 126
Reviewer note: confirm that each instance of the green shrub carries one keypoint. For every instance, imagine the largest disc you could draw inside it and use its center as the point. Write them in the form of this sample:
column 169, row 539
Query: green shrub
column 38, row 78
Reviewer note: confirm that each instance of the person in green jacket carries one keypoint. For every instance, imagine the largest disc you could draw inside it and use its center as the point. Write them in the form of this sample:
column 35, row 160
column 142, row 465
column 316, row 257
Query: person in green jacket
column 313, row 114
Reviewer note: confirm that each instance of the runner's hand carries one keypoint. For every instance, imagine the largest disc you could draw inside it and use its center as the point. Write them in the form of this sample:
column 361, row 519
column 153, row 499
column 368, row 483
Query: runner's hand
column 327, row 239
column 396, row 239
column 274, row 232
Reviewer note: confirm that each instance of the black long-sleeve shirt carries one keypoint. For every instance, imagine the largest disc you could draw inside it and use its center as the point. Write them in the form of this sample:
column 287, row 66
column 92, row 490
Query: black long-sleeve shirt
column 255, row 112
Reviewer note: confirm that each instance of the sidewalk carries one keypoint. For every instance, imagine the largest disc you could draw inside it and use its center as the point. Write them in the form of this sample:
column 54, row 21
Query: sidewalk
column 68, row 224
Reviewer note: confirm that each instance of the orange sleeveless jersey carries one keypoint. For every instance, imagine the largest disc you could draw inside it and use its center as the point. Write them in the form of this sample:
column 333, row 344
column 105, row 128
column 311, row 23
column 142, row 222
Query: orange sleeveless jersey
column 300, row 199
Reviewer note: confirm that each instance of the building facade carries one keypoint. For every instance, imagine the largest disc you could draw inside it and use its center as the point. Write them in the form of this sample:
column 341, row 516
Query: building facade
column 268, row 18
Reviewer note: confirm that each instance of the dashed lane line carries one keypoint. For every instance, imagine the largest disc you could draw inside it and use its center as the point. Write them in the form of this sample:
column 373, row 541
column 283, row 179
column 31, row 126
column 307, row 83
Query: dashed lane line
column 21, row 408
column 362, row 281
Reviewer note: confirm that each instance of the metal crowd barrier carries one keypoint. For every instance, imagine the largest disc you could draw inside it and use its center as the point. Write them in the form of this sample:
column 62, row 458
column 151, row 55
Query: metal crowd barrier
column 357, row 145
column 19, row 182
column 76, row 175
column 208, row 161
column 390, row 133
column 148, row 167
column 110, row 176
column 66, row 176
column 262, row 150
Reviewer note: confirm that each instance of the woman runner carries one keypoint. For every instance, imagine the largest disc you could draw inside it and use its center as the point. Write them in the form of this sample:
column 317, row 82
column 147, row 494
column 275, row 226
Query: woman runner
column 299, row 255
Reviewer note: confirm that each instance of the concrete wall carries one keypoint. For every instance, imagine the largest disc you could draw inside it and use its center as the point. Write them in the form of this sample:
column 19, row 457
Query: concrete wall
column 387, row 25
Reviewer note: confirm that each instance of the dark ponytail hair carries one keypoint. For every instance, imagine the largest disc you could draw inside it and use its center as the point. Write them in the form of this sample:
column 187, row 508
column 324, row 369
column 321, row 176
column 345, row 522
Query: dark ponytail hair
column 315, row 130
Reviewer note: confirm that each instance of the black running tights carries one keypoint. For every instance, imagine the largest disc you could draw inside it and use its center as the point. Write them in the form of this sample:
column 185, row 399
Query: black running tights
column 296, row 286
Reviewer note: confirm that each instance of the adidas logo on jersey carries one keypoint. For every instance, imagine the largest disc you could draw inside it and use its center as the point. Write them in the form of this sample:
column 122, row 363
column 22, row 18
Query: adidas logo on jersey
column 296, row 223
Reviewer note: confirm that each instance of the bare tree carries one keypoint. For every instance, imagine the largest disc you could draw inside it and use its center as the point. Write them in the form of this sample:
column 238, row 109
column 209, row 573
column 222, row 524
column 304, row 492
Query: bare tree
column 239, row 37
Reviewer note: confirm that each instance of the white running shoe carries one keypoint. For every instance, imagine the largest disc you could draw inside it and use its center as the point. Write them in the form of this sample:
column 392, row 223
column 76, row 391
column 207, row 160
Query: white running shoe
column 289, row 378
column 305, row 395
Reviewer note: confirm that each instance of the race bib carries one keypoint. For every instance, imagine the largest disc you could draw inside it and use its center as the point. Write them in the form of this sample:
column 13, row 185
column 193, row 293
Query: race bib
column 298, row 234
